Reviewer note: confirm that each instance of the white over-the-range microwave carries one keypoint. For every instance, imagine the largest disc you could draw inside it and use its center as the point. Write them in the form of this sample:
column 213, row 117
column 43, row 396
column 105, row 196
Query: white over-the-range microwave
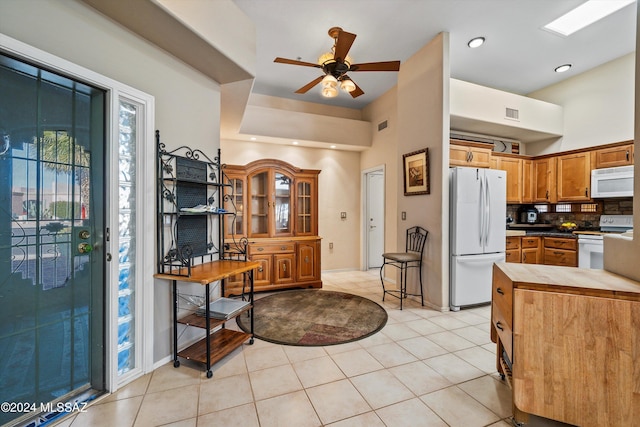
column 612, row 182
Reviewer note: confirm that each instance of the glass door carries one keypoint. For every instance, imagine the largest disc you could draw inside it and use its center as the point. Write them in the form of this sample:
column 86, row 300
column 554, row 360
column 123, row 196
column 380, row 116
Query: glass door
column 260, row 204
column 51, row 221
column 282, row 204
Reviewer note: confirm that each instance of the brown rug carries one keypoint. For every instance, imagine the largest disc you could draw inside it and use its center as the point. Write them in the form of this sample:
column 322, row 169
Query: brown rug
column 313, row 317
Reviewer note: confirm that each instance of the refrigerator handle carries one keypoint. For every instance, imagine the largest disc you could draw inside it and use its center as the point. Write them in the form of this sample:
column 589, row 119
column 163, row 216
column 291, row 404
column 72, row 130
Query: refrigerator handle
column 487, row 211
column 481, row 206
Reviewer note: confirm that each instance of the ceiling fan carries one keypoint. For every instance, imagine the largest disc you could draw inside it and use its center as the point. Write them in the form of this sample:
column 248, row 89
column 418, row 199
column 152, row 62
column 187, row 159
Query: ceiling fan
column 336, row 64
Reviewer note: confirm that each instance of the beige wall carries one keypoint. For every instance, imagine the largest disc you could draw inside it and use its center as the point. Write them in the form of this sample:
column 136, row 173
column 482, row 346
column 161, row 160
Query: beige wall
column 384, row 151
column 598, row 107
column 423, row 122
column 187, row 104
column 339, row 191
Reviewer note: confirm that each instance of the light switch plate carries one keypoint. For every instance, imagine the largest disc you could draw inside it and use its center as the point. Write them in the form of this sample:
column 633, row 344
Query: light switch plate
column 404, row 216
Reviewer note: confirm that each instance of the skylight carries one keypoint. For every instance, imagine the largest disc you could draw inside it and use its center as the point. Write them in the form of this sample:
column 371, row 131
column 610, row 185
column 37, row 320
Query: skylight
column 584, row 15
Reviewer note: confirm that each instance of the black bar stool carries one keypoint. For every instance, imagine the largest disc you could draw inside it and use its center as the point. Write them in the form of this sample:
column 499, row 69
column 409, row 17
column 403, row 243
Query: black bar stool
column 411, row 258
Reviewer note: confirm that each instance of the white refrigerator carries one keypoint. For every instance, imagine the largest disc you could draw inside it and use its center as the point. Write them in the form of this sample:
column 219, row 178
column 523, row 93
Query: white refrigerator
column 478, row 201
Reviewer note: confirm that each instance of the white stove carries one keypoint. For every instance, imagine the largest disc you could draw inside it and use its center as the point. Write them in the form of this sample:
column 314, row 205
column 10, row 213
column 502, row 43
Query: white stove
column 590, row 246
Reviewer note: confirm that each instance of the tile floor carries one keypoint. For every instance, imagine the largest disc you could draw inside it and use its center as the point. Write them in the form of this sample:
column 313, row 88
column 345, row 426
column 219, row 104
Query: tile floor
column 424, row 368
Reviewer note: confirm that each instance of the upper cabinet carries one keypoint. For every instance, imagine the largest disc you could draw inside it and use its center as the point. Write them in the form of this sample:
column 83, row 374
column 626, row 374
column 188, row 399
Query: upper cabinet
column 272, row 199
column 471, row 154
column 512, row 165
column 621, row 155
column 544, row 180
column 574, row 177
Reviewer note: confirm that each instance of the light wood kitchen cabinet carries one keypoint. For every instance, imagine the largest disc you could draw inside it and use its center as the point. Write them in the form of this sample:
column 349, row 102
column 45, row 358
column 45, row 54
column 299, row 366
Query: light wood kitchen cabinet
column 567, row 343
column 561, row 251
column 531, row 249
column 574, row 177
column 276, row 207
column 512, row 252
column 527, row 181
column 544, row 180
column 512, row 165
column 471, row 154
column 621, row 155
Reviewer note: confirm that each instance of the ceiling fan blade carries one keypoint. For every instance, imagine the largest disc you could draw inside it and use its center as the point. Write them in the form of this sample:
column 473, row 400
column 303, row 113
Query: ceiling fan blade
column 296, row 62
column 309, row 85
column 357, row 91
column 343, row 44
column 376, row 66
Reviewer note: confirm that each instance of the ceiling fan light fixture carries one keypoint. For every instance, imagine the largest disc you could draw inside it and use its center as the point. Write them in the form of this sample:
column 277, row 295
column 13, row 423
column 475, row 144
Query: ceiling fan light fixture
column 476, row 42
column 347, row 85
column 326, row 58
column 329, row 91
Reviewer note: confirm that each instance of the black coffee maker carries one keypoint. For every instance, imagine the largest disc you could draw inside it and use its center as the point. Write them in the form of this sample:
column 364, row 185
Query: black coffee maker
column 528, row 215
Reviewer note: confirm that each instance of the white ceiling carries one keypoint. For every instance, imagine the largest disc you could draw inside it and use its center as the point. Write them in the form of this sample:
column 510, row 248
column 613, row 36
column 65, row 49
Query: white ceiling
column 518, row 56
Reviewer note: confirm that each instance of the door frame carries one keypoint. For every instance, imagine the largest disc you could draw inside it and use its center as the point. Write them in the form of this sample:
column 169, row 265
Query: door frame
column 145, row 230
column 364, row 250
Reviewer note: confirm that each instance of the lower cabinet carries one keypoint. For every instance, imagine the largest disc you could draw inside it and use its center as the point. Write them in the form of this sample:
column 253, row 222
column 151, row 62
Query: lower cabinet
column 292, row 263
column 567, row 350
column 561, row 251
column 531, row 248
column 525, row 249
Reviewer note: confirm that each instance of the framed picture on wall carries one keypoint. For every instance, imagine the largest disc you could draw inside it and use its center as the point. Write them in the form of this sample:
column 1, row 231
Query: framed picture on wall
column 416, row 172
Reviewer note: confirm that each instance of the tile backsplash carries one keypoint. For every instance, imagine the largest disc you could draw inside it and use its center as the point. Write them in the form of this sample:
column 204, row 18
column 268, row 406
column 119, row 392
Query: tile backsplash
column 586, row 220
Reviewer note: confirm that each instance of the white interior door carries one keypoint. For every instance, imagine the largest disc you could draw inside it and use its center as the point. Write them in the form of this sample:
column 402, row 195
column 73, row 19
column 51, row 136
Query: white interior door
column 374, row 217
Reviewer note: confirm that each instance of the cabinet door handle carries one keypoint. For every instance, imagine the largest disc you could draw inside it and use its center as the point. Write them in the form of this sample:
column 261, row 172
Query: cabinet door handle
column 557, row 253
column 282, row 248
column 260, row 269
column 586, row 192
column 547, row 194
column 260, row 249
column 524, row 257
column 627, row 154
column 500, row 291
column 499, row 326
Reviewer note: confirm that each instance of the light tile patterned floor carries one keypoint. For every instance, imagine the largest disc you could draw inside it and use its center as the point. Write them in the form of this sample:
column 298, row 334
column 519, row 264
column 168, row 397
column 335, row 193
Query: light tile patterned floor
column 425, row 368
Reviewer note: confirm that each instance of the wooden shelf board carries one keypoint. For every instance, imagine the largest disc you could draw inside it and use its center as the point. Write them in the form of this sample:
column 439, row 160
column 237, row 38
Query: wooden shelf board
column 223, row 342
column 200, row 321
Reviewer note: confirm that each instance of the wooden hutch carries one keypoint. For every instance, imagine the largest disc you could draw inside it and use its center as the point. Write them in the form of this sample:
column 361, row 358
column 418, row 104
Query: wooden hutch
column 276, row 207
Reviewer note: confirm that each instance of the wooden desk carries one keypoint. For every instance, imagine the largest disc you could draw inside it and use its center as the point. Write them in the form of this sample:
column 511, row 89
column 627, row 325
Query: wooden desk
column 214, row 346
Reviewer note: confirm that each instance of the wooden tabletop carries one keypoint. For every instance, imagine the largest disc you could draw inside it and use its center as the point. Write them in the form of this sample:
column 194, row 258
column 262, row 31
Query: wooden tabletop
column 553, row 278
column 212, row 271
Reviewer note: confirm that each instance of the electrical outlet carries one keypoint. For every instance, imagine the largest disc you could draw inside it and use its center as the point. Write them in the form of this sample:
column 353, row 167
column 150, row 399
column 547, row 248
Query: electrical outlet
column 331, row 245
column 404, row 216
column 343, row 215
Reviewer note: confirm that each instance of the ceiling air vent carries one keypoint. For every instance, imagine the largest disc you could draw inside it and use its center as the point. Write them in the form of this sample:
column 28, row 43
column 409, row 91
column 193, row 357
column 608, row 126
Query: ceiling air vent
column 382, row 125
column 512, row 114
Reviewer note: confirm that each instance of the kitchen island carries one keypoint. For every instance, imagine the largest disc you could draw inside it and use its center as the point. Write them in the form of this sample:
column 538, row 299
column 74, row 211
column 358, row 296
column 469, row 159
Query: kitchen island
column 568, row 343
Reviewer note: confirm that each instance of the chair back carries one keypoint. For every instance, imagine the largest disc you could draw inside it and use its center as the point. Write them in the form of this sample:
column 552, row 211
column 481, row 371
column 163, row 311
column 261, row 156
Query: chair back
column 416, row 238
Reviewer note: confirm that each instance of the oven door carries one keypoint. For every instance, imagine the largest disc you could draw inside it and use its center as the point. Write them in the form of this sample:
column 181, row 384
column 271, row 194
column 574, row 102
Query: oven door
column 590, row 252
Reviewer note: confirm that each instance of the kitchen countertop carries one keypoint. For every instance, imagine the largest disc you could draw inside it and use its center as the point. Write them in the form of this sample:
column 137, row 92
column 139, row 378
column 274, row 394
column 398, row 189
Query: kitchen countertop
column 544, row 233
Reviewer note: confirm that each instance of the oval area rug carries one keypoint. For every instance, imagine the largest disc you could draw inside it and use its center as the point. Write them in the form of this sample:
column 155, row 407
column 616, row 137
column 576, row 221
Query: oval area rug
column 311, row 317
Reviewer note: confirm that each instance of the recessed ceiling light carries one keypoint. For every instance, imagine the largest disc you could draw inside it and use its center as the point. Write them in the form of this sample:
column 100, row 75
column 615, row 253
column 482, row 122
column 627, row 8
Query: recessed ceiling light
column 253, row 138
column 562, row 68
column 295, row 142
column 584, row 15
column 476, row 42
column 332, row 146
